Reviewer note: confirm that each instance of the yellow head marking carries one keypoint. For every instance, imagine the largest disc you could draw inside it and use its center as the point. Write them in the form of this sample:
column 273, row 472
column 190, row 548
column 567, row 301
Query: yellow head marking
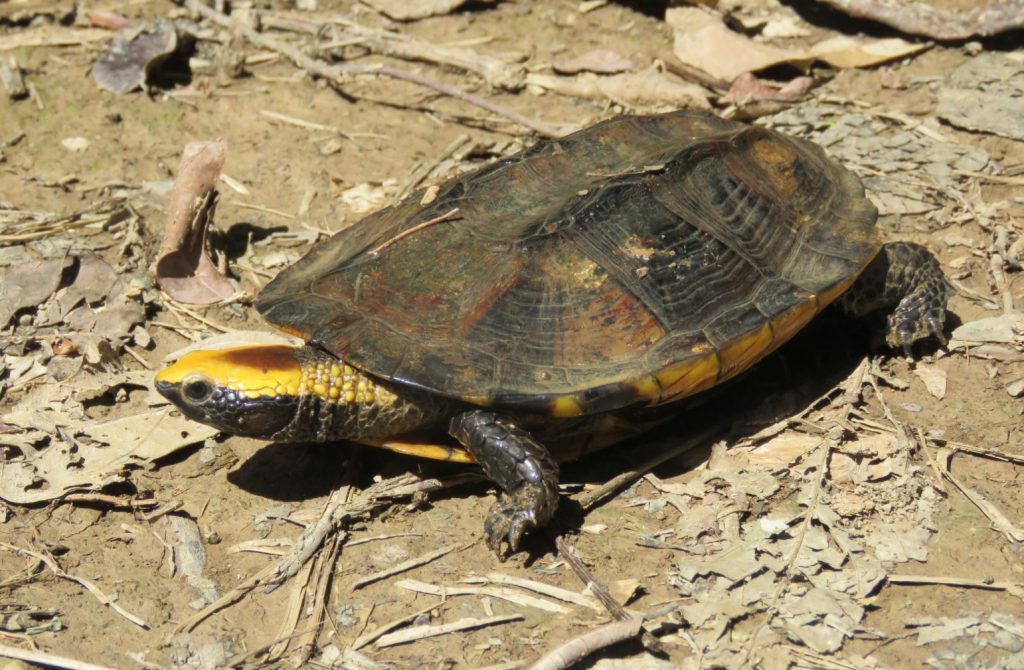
column 255, row 371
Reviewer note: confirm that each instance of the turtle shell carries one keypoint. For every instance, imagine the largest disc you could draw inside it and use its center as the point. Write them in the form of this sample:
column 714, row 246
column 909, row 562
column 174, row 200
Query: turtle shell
column 634, row 262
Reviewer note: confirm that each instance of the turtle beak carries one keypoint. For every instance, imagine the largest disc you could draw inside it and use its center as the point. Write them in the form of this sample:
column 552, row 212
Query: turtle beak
column 168, row 390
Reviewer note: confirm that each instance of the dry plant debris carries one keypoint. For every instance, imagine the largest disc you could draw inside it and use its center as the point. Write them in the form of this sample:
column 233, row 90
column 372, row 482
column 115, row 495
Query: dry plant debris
column 128, row 62
column 703, row 41
column 184, row 268
column 932, row 19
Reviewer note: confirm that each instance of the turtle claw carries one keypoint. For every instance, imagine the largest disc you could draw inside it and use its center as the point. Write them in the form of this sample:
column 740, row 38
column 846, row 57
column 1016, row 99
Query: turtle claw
column 506, row 524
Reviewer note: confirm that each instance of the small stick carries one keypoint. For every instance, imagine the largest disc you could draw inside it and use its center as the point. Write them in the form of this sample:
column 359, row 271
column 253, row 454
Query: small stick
column 614, row 608
column 578, row 648
column 419, row 632
column 912, row 580
column 493, row 591
column 451, row 214
column 113, row 501
column 544, row 589
column 402, row 567
column 82, row 581
column 49, row 660
column 366, row 639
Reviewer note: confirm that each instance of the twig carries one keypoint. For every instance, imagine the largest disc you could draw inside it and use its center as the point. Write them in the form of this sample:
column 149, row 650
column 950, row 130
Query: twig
column 564, row 595
column 325, row 573
column 49, row 660
column 88, row 585
column 492, row 591
column 414, row 633
column 447, row 216
column 962, row 582
column 403, row 566
column 113, row 501
column 339, row 75
column 373, row 635
column 594, row 498
column 614, row 608
column 578, row 648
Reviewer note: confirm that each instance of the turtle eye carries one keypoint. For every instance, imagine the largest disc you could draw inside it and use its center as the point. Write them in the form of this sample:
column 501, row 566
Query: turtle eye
column 197, row 390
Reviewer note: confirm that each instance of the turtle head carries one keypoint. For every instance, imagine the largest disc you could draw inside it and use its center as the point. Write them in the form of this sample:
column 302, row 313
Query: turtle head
column 252, row 391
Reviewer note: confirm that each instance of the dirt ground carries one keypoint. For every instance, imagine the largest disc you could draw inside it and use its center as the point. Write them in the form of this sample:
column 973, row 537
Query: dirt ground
column 852, row 508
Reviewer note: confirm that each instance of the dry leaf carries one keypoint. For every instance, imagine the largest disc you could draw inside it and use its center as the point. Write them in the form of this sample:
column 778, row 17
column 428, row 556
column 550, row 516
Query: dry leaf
column 1005, row 329
column 367, row 197
column 783, row 450
column 934, row 379
column 924, row 18
column 132, row 440
column 183, row 269
column 23, row 286
column 703, row 41
column 843, row 51
column 126, row 66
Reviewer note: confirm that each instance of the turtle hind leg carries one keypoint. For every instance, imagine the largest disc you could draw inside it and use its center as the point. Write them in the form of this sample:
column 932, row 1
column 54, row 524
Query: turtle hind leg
column 905, row 280
column 521, row 466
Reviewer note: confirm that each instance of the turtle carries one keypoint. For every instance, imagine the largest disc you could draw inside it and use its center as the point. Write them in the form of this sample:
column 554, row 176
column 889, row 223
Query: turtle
column 554, row 302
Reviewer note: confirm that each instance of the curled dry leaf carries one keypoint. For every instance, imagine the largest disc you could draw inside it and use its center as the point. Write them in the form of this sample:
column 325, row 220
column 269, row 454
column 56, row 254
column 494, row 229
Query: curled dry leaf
column 184, row 270
column 127, row 64
column 599, row 61
column 924, row 18
column 704, row 42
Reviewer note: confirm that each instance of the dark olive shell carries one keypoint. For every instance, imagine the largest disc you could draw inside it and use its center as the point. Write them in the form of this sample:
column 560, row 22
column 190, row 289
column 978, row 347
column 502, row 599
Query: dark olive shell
column 637, row 261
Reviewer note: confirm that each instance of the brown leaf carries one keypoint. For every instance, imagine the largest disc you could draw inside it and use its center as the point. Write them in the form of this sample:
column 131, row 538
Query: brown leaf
column 703, row 41
column 600, row 61
column 30, row 285
column 127, row 64
column 184, row 270
column 923, row 18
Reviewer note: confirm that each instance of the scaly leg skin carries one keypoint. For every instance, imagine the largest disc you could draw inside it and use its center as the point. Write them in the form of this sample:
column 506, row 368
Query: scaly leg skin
column 906, row 280
column 520, row 465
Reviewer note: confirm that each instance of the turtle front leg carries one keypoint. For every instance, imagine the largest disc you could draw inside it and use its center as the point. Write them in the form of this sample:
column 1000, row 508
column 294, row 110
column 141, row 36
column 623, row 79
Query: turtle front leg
column 520, row 465
column 906, row 280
